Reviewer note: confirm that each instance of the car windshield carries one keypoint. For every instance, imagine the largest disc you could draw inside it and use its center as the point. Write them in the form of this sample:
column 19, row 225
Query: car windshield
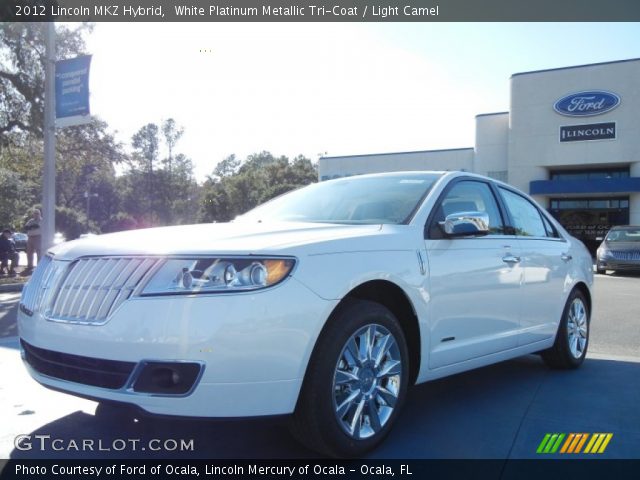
column 624, row 235
column 388, row 199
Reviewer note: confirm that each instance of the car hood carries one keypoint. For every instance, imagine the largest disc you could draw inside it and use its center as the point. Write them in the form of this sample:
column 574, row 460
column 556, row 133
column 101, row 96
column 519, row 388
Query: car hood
column 227, row 238
column 621, row 246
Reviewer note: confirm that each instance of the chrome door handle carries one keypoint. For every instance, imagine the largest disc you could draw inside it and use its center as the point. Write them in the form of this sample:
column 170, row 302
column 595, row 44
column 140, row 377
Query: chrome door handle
column 511, row 259
column 566, row 257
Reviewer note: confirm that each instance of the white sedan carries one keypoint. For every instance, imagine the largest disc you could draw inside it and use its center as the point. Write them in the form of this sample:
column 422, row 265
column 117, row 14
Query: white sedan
column 324, row 304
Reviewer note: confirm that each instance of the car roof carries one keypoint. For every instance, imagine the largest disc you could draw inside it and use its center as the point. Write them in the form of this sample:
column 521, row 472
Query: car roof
column 441, row 173
column 625, row 227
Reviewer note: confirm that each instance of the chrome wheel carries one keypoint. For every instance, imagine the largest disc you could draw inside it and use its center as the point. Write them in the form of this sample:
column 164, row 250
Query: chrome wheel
column 366, row 381
column 577, row 328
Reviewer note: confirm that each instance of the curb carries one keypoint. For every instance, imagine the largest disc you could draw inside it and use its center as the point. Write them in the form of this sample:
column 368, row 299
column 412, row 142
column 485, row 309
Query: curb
column 11, row 287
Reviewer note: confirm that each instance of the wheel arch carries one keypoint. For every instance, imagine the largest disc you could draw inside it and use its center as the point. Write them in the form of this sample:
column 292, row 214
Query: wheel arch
column 394, row 298
column 584, row 289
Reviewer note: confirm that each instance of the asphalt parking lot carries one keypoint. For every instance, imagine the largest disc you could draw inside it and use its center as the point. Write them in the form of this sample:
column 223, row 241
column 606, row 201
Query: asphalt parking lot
column 497, row 412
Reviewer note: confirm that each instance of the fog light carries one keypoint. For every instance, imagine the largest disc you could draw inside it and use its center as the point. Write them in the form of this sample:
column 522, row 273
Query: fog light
column 167, row 378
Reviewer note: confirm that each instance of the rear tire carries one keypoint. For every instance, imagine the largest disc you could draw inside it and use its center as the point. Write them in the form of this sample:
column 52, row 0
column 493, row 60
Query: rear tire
column 572, row 338
column 356, row 382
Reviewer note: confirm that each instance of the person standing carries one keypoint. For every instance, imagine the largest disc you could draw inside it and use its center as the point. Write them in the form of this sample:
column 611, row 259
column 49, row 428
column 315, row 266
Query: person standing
column 8, row 254
column 32, row 228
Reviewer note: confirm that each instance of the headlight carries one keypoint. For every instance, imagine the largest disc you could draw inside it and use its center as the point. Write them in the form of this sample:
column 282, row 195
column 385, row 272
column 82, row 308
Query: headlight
column 213, row 275
column 604, row 253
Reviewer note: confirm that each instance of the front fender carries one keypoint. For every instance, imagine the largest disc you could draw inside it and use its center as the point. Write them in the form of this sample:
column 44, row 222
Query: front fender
column 333, row 276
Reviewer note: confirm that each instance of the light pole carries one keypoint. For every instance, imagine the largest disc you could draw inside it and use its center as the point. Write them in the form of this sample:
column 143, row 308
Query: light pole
column 49, row 173
column 88, row 196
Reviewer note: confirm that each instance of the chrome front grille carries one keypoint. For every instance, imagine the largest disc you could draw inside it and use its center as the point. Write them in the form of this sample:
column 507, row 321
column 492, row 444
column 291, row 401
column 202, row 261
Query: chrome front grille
column 94, row 287
column 86, row 290
column 33, row 290
column 626, row 255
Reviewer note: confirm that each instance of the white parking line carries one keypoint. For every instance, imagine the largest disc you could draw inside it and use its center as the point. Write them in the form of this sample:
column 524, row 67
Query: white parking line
column 9, row 342
column 608, row 356
column 600, row 275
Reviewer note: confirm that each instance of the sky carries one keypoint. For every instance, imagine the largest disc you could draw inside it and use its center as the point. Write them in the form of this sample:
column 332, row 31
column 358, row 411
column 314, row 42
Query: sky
column 325, row 88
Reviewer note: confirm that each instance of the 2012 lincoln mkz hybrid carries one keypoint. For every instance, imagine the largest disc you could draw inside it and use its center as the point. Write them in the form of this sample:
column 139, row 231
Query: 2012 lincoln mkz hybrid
column 325, row 303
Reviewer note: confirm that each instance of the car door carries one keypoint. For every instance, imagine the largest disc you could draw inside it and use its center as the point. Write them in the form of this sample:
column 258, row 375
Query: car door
column 474, row 301
column 545, row 260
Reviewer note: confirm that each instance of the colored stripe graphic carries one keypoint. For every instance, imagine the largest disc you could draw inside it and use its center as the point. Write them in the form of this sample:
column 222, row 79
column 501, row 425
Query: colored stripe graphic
column 605, row 443
column 598, row 443
column 550, row 443
column 543, row 443
column 574, row 442
column 570, row 444
column 557, row 444
column 590, row 444
column 584, row 439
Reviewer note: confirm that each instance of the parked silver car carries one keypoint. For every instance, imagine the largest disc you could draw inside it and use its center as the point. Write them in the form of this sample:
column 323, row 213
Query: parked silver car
column 620, row 249
column 20, row 241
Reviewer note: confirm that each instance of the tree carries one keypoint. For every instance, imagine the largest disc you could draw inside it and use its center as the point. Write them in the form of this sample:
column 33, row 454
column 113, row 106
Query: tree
column 146, row 143
column 12, row 194
column 86, row 155
column 185, row 192
column 157, row 189
column 70, row 222
column 160, row 192
column 22, row 178
column 22, row 62
column 171, row 133
column 217, row 203
column 120, row 221
column 86, row 160
column 236, row 186
column 227, row 167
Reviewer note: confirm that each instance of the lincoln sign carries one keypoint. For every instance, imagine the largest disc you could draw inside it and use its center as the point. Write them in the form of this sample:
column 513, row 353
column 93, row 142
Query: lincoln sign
column 583, row 104
column 596, row 131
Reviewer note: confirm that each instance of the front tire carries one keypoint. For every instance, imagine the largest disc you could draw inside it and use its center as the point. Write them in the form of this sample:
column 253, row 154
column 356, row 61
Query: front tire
column 572, row 339
column 356, row 382
column 600, row 270
column 115, row 412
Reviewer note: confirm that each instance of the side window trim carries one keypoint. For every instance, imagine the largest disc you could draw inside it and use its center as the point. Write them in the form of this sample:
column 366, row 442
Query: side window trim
column 557, row 234
column 502, row 205
column 543, row 217
column 548, row 226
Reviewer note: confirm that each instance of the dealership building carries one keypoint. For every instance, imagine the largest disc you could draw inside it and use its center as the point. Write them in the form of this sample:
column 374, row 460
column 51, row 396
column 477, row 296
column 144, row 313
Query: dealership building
column 571, row 139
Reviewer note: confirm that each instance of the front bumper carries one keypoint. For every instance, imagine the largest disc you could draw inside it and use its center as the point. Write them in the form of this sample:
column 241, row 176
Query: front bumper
column 615, row 264
column 253, row 349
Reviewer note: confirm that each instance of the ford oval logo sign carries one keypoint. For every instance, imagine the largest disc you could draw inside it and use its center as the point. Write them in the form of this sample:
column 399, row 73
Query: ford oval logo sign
column 583, row 104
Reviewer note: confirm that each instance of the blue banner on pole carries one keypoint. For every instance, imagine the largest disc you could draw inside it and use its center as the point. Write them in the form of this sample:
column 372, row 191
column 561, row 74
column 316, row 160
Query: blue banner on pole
column 72, row 91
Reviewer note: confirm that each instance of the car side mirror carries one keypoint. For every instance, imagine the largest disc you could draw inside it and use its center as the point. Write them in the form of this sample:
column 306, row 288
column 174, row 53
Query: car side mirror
column 462, row 224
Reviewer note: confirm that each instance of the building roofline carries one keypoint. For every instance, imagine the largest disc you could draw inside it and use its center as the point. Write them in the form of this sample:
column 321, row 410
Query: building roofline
column 489, row 114
column 398, row 153
column 576, row 66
